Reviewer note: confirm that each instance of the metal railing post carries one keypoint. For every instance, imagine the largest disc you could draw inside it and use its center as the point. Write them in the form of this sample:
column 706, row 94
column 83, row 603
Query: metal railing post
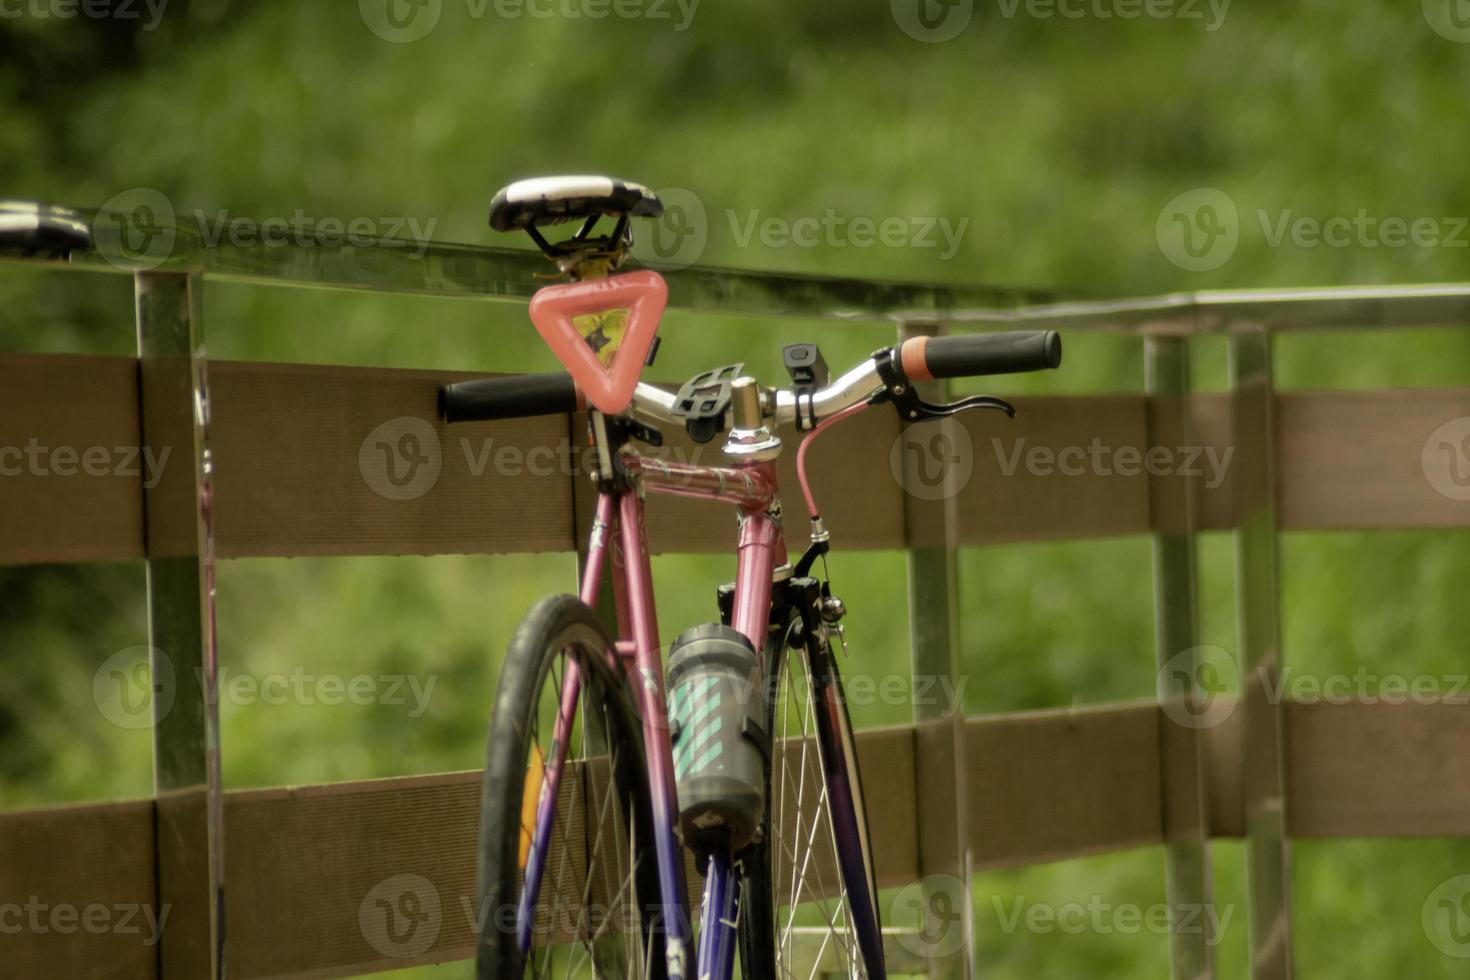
column 930, row 522
column 1258, row 599
column 174, row 413
column 1176, row 631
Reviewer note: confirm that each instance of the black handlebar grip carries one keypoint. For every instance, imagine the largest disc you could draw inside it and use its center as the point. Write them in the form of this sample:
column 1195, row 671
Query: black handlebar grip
column 512, row 397
column 972, row 355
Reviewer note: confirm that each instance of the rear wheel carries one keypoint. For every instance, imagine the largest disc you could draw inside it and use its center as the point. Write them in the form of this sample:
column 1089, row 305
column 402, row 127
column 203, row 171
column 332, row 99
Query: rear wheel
column 595, row 912
column 811, row 906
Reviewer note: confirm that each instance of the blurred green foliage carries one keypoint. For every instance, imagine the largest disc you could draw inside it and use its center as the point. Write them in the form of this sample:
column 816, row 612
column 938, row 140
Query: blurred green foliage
column 1056, row 142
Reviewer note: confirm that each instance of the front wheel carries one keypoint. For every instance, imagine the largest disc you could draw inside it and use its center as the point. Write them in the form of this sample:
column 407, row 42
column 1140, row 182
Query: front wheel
column 591, row 848
column 810, row 905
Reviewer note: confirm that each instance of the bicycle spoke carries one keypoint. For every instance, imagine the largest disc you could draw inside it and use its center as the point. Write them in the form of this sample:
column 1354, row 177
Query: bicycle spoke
column 806, row 878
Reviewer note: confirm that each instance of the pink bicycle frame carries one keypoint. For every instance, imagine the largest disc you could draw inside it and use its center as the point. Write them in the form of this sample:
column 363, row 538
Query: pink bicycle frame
column 618, row 527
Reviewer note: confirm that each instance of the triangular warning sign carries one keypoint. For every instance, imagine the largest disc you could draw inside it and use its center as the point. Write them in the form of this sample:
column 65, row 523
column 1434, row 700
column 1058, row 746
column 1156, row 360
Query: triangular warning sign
column 601, row 330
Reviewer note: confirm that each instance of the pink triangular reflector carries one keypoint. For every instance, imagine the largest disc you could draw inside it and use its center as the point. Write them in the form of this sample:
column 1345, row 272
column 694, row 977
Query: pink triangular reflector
column 602, row 330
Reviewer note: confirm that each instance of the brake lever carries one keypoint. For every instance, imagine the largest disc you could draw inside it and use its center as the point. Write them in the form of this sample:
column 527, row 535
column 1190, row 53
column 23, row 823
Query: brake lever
column 911, row 408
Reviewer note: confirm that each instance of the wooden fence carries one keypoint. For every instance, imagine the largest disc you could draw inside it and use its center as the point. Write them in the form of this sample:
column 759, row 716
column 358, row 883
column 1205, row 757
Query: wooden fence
column 275, row 467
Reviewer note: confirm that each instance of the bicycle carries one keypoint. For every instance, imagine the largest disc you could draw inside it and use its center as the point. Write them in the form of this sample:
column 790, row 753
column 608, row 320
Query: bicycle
column 595, row 784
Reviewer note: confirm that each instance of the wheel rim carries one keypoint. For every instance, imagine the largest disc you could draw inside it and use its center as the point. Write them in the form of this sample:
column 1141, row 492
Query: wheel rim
column 814, row 926
column 591, row 929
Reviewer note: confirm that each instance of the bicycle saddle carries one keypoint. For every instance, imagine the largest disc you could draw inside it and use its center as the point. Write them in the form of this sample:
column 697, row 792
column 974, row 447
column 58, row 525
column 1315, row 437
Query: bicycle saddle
column 552, row 200
column 33, row 229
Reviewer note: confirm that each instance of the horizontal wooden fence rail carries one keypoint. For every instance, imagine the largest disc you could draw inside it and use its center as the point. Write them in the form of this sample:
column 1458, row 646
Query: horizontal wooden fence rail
column 302, row 456
column 307, row 867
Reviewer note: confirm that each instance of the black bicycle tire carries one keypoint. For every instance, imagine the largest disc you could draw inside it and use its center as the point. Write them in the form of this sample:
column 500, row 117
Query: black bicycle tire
column 757, row 915
column 537, row 640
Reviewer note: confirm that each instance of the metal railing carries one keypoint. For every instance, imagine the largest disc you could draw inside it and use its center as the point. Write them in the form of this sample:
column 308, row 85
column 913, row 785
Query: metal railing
column 178, row 400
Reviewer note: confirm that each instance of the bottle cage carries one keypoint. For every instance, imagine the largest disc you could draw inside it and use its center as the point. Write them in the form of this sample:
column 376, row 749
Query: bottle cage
column 602, row 330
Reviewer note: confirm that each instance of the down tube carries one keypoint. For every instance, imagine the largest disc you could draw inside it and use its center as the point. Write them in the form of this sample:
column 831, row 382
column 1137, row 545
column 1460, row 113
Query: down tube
column 650, row 688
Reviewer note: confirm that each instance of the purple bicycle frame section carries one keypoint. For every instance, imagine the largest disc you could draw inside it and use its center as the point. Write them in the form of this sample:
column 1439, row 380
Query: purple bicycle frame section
column 619, row 517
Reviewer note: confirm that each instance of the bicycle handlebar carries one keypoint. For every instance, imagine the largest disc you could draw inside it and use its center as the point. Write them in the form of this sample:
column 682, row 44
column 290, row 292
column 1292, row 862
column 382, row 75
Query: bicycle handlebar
column 918, row 359
column 511, row 397
column 927, row 358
